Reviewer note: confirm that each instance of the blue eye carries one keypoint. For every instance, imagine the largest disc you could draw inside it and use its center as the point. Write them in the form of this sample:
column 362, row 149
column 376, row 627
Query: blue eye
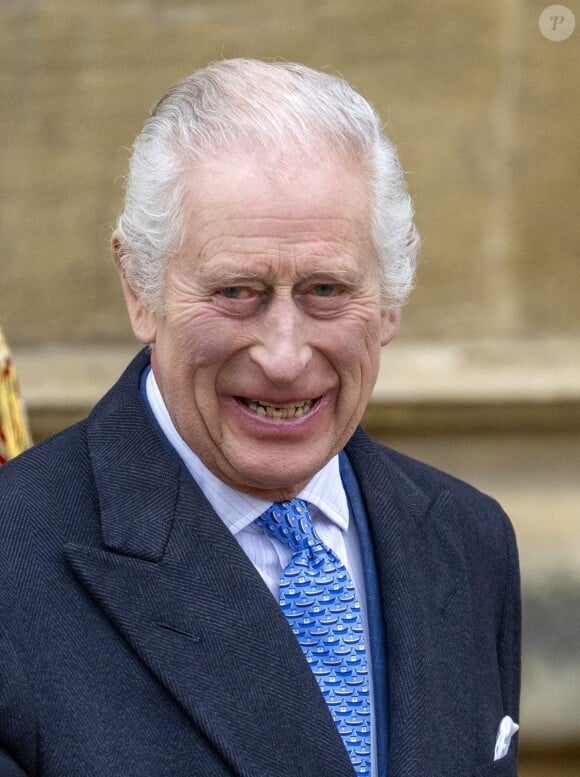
column 324, row 289
column 232, row 292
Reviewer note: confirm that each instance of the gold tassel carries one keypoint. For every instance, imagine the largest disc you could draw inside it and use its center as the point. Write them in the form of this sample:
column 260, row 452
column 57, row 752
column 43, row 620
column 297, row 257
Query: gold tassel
column 14, row 433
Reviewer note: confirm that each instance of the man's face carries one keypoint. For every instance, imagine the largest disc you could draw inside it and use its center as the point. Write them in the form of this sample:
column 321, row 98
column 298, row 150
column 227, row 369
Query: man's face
column 268, row 349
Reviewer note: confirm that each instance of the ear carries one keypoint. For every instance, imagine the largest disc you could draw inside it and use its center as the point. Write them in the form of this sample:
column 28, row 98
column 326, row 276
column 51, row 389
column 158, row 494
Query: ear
column 390, row 321
column 143, row 321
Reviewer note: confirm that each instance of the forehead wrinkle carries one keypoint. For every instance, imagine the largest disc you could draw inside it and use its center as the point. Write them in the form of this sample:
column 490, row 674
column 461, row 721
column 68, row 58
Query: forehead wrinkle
column 339, row 240
column 265, row 224
column 263, row 251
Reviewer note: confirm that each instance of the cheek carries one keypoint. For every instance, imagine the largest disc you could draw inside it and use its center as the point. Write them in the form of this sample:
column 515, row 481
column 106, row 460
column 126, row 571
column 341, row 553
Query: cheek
column 204, row 342
column 355, row 342
column 356, row 360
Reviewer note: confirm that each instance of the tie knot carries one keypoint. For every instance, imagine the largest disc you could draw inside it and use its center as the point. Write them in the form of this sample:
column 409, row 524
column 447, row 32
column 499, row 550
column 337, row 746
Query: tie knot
column 290, row 523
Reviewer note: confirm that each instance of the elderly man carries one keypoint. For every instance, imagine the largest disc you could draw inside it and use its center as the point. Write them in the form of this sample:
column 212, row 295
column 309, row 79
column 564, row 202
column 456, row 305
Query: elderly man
column 217, row 573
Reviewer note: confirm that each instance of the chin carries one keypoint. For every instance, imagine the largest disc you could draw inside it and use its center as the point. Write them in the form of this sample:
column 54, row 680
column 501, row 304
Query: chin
column 269, row 475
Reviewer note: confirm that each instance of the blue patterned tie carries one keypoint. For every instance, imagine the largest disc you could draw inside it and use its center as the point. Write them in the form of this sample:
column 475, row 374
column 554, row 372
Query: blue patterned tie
column 318, row 598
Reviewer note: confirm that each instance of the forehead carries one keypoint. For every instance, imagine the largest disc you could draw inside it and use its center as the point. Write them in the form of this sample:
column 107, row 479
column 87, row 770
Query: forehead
column 293, row 198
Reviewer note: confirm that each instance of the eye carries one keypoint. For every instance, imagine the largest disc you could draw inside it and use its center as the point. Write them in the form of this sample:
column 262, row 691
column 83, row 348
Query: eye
column 243, row 300
column 236, row 292
column 325, row 290
column 324, row 299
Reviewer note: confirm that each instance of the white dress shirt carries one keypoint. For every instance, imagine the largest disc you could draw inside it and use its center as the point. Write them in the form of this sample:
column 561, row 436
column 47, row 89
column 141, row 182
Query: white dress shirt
column 327, row 505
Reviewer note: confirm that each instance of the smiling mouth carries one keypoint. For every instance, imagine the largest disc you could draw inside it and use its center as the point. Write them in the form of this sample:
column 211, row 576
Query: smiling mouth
column 279, row 412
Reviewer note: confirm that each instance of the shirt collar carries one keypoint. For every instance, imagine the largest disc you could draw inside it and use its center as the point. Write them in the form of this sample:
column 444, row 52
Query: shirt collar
column 236, row 509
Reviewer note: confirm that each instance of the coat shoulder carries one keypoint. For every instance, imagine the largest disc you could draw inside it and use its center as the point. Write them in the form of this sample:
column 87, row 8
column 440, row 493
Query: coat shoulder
column 481, row 513
column 59, row 470
column 39, row 475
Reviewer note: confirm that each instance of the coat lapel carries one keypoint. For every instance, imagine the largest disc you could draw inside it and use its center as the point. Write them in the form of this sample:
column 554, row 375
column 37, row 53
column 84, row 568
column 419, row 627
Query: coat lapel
column 427, row 617
column 181, row 592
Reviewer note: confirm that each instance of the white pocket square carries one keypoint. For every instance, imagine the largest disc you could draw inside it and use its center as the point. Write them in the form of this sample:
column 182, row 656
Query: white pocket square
column 507, row 728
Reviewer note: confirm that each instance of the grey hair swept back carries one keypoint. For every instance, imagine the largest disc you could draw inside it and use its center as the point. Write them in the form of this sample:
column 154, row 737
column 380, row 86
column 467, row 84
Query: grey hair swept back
column 266, row 107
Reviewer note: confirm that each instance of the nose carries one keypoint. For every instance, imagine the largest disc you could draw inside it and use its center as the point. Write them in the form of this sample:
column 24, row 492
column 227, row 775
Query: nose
column 281, row 349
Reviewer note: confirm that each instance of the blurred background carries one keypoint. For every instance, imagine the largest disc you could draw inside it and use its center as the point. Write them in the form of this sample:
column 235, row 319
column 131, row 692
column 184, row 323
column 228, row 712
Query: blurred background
column 484, row 379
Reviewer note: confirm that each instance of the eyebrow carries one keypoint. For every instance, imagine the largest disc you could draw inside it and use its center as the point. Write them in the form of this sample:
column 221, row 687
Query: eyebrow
column 352, row 276
column 223, row 276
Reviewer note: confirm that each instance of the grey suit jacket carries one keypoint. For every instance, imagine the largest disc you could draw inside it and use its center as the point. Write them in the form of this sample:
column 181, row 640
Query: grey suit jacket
column 137, row 640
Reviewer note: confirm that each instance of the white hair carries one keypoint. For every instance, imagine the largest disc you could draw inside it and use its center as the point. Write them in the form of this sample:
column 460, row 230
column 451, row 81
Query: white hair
column 269, row 108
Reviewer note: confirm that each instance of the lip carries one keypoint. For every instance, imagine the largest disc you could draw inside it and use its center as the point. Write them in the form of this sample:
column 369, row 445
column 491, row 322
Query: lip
column 263, row 426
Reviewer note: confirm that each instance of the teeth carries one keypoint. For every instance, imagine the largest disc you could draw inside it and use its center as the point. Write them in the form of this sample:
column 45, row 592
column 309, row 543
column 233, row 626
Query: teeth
column 281, row 412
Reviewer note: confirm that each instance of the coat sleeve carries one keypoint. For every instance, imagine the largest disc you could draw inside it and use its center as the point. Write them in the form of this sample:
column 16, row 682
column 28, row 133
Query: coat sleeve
column 509, row 642
column 17, row 718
